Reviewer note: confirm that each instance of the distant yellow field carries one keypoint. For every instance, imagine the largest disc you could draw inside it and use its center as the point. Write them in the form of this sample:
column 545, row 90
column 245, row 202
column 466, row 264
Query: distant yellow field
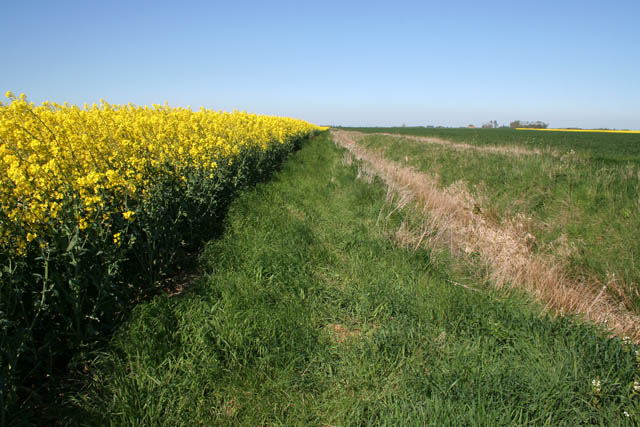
column 583, row 130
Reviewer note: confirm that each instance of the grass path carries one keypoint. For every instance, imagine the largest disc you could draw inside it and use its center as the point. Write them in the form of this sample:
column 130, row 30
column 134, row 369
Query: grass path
column 308, row 314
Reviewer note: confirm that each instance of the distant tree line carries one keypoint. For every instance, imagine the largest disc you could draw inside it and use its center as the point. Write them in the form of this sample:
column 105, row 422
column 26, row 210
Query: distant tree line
column 522, row 124
column 492, row 124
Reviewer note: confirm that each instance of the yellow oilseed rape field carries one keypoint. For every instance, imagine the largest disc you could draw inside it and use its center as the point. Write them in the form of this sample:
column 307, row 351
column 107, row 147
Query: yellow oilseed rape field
column 98, row 203
column 106, row 157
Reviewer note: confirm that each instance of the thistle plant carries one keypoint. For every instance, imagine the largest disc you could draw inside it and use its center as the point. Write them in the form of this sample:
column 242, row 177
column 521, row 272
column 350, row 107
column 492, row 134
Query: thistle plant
column 596, row 392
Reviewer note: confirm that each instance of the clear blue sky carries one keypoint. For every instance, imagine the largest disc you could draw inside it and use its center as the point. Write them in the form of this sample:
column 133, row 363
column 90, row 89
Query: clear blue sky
column 569, row 63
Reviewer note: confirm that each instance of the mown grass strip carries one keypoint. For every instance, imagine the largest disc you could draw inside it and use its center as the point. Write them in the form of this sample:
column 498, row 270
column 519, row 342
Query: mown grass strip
column 308, row 314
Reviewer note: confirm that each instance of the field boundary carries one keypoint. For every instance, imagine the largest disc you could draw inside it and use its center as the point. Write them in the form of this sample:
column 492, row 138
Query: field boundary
column 503, row 247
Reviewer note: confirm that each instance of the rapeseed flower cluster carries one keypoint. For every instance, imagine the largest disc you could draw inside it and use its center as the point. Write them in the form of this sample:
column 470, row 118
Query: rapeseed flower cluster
column 100, row 161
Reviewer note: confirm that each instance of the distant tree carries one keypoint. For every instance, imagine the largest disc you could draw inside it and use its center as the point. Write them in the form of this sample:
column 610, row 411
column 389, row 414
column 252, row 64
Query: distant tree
column 537, row 125
column 487, row 125
column 533, row 125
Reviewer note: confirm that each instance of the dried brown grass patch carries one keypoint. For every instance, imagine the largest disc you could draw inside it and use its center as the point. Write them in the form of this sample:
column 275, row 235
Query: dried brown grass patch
column 453, row 221
column 296, row 213
column 340, row 333
column 230, row 408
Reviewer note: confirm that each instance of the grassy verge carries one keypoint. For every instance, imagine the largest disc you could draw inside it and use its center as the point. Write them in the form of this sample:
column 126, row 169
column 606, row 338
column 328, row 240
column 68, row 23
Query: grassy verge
column 585, row 211
column 307, row 313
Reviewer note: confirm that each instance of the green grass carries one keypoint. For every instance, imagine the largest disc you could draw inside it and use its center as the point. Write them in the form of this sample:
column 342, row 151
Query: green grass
column 253, row 341
column 588, row 207
column 600, row 147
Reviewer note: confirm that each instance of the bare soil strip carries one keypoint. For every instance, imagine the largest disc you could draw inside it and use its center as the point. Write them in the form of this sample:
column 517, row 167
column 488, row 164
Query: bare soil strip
column 452, row 220
column 508, row 150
